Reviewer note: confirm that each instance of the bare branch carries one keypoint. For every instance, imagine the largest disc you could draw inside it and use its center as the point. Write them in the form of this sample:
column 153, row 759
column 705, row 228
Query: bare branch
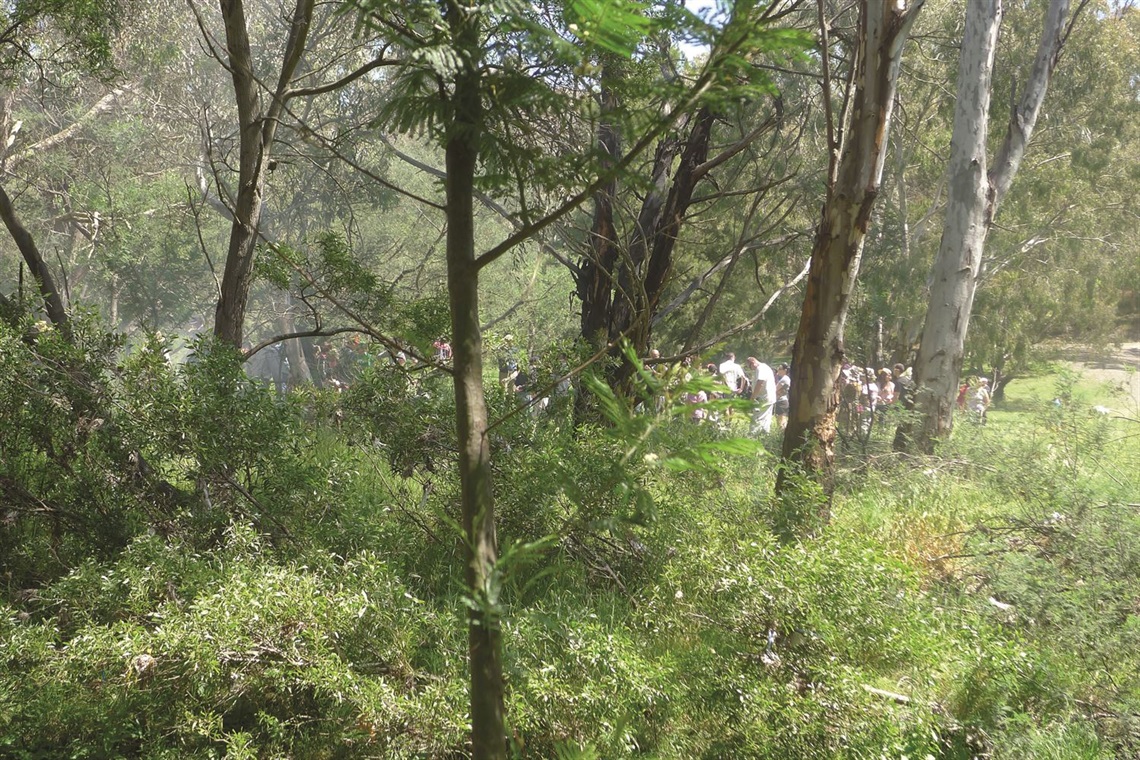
column 347, row 79
column 103, row 105
column 315, row 333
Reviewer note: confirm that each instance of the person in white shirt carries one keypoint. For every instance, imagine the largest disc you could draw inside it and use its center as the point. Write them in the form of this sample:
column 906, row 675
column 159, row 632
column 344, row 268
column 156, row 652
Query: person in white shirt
column 979, row 401
column 763, row 395
column 732, row 373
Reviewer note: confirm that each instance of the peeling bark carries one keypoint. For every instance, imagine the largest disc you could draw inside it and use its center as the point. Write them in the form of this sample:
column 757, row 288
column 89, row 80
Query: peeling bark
column 818, row 353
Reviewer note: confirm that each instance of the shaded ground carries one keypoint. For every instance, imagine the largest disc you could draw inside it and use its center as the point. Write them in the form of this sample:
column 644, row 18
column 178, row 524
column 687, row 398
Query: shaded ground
column 1118, row 367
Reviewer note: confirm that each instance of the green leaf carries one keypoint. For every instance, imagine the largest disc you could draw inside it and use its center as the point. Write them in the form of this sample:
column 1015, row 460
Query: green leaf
column 613, row 25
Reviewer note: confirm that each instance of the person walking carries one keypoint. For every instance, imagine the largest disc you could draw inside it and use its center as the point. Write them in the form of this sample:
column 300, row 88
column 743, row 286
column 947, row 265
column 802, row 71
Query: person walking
column 980, row 400
column 763, row 383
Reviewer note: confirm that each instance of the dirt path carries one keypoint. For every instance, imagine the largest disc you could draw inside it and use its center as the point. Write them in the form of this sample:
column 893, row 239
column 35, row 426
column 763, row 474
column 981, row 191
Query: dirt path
column 1119, row 367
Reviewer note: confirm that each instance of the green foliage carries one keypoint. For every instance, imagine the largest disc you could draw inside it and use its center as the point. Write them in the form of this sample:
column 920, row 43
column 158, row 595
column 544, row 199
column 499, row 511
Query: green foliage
column 616, row 26
column 89, row 27
column 647, row 608
column 58, row 446
column 231, row 649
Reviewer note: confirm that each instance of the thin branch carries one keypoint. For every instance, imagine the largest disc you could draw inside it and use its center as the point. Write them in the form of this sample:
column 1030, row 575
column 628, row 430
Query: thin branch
column 347, row 79
column 554, row 384
column 745, row 324
column 832, row 147
column 482, row 197
column 314, row 333
column 770, row 123
column 391, row 344
column 328, row 145
column 194, row 209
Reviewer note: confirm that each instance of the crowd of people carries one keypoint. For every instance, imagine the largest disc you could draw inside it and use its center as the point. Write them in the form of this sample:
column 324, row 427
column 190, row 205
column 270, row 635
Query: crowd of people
column 767, row 388
column 865, row 394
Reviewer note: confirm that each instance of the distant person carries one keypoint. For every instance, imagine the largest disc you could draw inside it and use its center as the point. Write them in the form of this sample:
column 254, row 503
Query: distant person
column 904, row 387
column 508, row 362
column 849, row 407
column 763, row 384
column 732, row 373
column 868, row 400
column 782, row 406
column 886, row 387
column 784, row 378
column 699, row 397
column 980, row 399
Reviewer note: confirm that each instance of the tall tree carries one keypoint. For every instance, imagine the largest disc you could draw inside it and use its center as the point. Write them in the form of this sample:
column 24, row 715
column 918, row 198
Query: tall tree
column 257, row 125
column 854, row 177
column 471, row 85
column 75, row 37
column 975, row 196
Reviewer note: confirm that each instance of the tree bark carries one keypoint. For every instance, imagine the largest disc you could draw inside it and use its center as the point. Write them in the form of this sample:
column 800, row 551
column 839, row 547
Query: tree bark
column 53, row 300
column 818, row 352
column 596, row 273
column 488, row 736
column 956, row 268
column 257, row 129
column 975, row 196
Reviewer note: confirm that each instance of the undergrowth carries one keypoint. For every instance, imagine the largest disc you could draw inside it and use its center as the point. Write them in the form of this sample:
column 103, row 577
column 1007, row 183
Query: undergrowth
column 211, row 570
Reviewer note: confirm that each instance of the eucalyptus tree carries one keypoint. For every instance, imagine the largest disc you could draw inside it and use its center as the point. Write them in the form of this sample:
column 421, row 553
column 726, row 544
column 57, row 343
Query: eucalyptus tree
column 976, row 193
column 37, row 37
column 858, row 142
column 259, row 113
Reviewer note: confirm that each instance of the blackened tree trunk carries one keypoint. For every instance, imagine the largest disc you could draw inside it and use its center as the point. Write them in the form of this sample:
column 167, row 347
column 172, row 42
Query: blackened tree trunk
column 596, row 273
column 662, row 238
column 648, row 263
column 818, row 353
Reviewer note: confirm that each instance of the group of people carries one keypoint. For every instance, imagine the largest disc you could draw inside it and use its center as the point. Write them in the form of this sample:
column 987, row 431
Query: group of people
column 866, row 394
column 974, row 397
column 337, row 366
column 765, row 387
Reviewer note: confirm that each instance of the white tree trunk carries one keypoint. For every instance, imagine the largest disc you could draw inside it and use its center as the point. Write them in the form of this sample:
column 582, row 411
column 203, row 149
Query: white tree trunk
column 964, row 232
column 975, row 196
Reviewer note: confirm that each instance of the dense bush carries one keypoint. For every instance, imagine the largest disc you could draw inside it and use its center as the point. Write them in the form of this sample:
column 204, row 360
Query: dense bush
column 279, row 576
